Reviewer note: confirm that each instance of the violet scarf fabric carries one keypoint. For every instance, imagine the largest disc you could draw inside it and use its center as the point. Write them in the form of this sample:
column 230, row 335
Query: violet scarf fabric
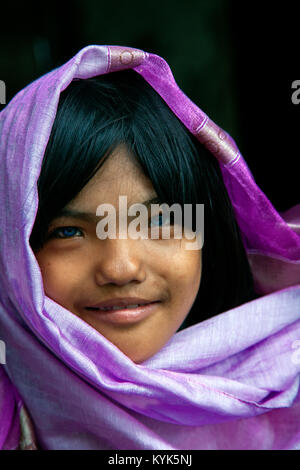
column 230, row 382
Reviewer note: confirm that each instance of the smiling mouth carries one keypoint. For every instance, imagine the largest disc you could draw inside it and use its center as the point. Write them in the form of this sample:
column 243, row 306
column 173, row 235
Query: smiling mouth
column 124, row 314
column 117, row 307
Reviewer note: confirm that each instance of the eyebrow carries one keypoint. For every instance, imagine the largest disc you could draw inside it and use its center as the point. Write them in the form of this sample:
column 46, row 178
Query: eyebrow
column 92, row 217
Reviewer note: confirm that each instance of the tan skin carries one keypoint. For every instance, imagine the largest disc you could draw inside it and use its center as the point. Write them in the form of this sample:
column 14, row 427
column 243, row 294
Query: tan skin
column 83, row 270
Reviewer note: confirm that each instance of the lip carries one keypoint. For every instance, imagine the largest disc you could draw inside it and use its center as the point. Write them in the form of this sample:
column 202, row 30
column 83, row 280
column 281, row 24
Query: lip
column 121, row 301
column 125, row 316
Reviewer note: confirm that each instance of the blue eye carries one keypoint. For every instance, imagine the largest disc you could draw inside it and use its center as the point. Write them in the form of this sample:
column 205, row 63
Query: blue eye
column 159, row 219
column 68, row 231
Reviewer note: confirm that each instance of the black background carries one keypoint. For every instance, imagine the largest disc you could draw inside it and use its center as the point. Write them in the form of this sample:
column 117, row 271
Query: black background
column 235, row 60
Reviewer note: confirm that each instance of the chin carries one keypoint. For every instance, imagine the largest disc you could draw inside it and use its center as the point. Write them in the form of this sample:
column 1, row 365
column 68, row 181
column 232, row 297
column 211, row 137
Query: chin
column 139, row 358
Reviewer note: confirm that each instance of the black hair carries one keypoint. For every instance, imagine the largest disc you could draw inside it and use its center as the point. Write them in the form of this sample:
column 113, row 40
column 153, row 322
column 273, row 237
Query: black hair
column 94, row 116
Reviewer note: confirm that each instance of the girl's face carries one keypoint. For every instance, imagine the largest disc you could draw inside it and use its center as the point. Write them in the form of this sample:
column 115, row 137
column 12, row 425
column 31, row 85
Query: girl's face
column 80, row 270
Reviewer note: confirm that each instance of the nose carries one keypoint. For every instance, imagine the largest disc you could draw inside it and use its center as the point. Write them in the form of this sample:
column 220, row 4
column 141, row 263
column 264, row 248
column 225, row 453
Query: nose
column 119, row 262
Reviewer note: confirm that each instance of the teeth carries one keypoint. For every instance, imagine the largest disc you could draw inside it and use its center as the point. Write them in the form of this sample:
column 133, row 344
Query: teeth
column 120, row 307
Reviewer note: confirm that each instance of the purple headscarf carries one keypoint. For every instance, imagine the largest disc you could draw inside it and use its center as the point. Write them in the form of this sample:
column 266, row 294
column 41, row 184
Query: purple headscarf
column 230, row 382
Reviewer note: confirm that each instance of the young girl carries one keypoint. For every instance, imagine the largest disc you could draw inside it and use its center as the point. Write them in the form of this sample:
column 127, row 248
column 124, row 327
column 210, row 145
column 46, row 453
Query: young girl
column 124, row 343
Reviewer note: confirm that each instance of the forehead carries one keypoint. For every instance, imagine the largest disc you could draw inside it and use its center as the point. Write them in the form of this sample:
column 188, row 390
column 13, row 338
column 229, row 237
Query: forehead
column 119, row 166
column 121, row 174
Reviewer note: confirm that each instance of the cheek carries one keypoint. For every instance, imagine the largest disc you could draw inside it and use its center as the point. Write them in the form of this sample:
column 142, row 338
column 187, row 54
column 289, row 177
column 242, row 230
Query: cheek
column 189, row 267
column 184, row 273
column 59, row 277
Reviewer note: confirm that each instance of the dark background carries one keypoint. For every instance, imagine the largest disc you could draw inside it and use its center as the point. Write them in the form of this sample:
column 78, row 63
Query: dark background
column 235, row 60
